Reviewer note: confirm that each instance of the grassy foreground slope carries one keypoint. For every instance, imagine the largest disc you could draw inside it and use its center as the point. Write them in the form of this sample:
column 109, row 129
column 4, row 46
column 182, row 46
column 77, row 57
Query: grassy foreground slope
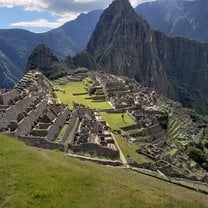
column 30, row 177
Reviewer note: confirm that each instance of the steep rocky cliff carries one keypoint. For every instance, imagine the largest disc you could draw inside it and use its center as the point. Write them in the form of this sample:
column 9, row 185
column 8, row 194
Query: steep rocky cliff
column 124, row 44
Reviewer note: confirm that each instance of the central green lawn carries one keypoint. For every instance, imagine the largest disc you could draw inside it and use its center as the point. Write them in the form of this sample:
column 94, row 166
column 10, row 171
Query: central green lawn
column 116, row 122
column 34, row 178
column 113, row 119
column 77, row 88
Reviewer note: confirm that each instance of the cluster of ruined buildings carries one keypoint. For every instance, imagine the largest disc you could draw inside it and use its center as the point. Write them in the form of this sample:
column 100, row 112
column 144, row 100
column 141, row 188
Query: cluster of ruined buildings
column 31, row 113
column 153, row 115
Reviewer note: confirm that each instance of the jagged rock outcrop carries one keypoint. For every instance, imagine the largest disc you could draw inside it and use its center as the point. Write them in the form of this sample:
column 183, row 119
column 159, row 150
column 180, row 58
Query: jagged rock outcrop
column 123, row 43
column 45, row 61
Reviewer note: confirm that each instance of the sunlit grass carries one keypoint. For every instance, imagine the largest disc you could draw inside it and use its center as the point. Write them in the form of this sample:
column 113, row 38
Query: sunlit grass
column 79, row 88
column 33, row 178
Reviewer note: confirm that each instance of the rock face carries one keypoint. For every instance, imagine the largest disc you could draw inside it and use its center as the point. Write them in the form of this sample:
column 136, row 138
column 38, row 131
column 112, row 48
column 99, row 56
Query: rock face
column 178, row 17
column 123, row 43
column 85, row 59
column 43, row 59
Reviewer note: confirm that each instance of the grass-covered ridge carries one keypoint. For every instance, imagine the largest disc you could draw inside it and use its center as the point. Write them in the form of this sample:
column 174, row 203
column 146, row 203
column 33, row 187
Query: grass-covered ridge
column 33, row 178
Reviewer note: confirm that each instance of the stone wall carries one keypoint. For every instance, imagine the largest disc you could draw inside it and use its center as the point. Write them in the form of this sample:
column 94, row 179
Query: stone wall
column 39, row 132
column 95, row 148
column 132, row 127
column 96, row 160
column 70, row 126
column 13, row 111
column 42, row 143
column 22, row 105
column 58, row 123
column 9, row 115
column 2, row 124
column 26, row 124
column 6, row 97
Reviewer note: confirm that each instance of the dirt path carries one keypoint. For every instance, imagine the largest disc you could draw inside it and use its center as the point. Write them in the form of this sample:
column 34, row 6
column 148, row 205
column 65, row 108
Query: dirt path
column 122, row 157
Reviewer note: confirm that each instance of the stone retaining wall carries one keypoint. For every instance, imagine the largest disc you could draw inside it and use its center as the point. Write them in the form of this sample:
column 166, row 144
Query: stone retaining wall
column 42, row 143
column 94, row 148
column 99, row 161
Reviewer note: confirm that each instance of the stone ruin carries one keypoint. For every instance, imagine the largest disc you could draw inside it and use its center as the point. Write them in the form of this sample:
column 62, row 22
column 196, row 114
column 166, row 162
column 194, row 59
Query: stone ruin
column 93, row 135
column 31, row 113
column 155, row 117
column 28, row 112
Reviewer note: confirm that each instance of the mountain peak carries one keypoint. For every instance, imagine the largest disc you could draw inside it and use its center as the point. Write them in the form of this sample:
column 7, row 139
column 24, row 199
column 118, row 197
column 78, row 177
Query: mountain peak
column 121, row 6
column 119, row 35
column 121, row 2
column 40, row 58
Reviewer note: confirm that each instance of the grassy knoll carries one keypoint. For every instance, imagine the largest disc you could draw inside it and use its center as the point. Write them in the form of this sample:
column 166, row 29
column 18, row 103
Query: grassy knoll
column 85, row 99
column 33, row 178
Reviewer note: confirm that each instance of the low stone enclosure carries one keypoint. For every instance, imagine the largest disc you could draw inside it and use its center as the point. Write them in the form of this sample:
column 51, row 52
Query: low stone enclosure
column 31, row 113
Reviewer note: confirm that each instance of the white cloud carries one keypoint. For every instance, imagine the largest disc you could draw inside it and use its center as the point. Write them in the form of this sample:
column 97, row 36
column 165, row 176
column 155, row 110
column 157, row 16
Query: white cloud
column 38, row 23
column 65, row 10
column 64, row 6
column 84, row 1
column 136, row 2
column 43, row 23
column 35, row 5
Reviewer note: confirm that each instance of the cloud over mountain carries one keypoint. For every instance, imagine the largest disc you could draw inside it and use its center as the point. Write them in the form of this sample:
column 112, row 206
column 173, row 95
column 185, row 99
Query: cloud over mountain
column 63, row 10
column 63, row 6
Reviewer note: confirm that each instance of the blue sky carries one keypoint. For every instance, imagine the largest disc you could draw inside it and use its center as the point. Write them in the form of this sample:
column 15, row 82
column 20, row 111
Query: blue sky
column 44, row 15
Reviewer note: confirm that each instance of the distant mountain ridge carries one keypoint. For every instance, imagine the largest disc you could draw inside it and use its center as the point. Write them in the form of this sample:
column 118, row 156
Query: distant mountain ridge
column 177, row 17
column 16, row 45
